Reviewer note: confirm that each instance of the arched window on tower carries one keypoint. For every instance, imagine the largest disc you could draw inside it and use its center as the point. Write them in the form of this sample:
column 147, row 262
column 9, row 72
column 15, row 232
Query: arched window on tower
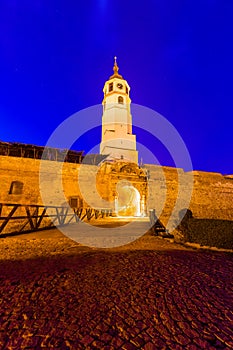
column 110, row 87
column 120, row 100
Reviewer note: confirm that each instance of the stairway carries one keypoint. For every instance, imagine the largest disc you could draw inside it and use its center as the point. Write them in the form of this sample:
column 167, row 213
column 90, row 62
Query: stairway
column 159, row 230
column 157, row 227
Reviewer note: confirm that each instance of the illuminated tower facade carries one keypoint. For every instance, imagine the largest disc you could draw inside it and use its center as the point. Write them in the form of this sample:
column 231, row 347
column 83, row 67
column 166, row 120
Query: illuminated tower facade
column 117, row 138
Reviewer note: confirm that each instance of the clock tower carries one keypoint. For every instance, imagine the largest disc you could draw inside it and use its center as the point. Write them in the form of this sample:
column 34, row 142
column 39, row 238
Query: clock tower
column 117, row 138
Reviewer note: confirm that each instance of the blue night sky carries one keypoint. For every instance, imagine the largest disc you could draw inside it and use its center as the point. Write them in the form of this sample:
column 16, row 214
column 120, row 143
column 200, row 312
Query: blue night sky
column 177, row 56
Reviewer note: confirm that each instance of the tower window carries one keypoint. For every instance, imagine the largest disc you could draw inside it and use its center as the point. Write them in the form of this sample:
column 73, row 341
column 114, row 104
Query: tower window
column 16, row 187
column 127, row 90
column 110, row 87
column 120, row 100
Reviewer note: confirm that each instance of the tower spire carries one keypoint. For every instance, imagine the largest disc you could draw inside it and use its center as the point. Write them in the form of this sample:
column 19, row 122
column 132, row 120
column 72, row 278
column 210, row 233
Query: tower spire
column 115, row 70
column 115, row 67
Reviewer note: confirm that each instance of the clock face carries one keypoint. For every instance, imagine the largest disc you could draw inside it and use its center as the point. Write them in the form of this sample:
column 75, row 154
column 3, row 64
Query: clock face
column 120, row 86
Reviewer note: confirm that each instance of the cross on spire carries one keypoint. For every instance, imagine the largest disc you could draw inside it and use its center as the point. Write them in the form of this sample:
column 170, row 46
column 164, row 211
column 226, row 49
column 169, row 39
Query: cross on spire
column 115, row 68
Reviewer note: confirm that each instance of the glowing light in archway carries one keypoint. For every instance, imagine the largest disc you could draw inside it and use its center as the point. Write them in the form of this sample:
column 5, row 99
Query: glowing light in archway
column 128, row 200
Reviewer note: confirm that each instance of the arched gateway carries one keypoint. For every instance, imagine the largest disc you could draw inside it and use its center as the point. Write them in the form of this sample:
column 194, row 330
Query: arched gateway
column 128, row 201
column 125, row 185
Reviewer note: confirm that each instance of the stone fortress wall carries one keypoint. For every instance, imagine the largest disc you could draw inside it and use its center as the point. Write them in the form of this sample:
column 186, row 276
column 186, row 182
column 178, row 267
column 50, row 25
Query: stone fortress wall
column 212, row 195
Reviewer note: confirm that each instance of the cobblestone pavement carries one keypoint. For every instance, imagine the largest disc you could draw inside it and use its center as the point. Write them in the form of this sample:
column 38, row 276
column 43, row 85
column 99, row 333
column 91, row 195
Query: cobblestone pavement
column 56, row 294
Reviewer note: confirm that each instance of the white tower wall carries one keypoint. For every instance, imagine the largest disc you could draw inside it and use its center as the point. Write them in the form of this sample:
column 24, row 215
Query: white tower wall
column 117, row 138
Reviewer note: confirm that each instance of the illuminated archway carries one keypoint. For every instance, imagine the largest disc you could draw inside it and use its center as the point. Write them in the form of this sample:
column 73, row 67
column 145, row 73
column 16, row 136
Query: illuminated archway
column 128, row 200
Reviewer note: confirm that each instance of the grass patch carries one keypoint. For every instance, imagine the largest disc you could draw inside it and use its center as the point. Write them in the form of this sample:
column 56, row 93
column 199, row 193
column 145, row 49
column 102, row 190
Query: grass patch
column 208, row 232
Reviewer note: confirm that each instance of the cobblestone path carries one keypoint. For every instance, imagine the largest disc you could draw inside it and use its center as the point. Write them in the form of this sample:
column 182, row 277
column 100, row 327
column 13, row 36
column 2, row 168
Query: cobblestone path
column 165, row 298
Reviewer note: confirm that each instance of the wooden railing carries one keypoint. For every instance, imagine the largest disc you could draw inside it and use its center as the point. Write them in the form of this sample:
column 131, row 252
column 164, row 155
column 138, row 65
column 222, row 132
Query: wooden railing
column 32, row 217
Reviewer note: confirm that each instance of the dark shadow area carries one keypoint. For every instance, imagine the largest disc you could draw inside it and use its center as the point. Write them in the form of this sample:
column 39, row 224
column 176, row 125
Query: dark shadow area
column 99, row 259
column 208, row 232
